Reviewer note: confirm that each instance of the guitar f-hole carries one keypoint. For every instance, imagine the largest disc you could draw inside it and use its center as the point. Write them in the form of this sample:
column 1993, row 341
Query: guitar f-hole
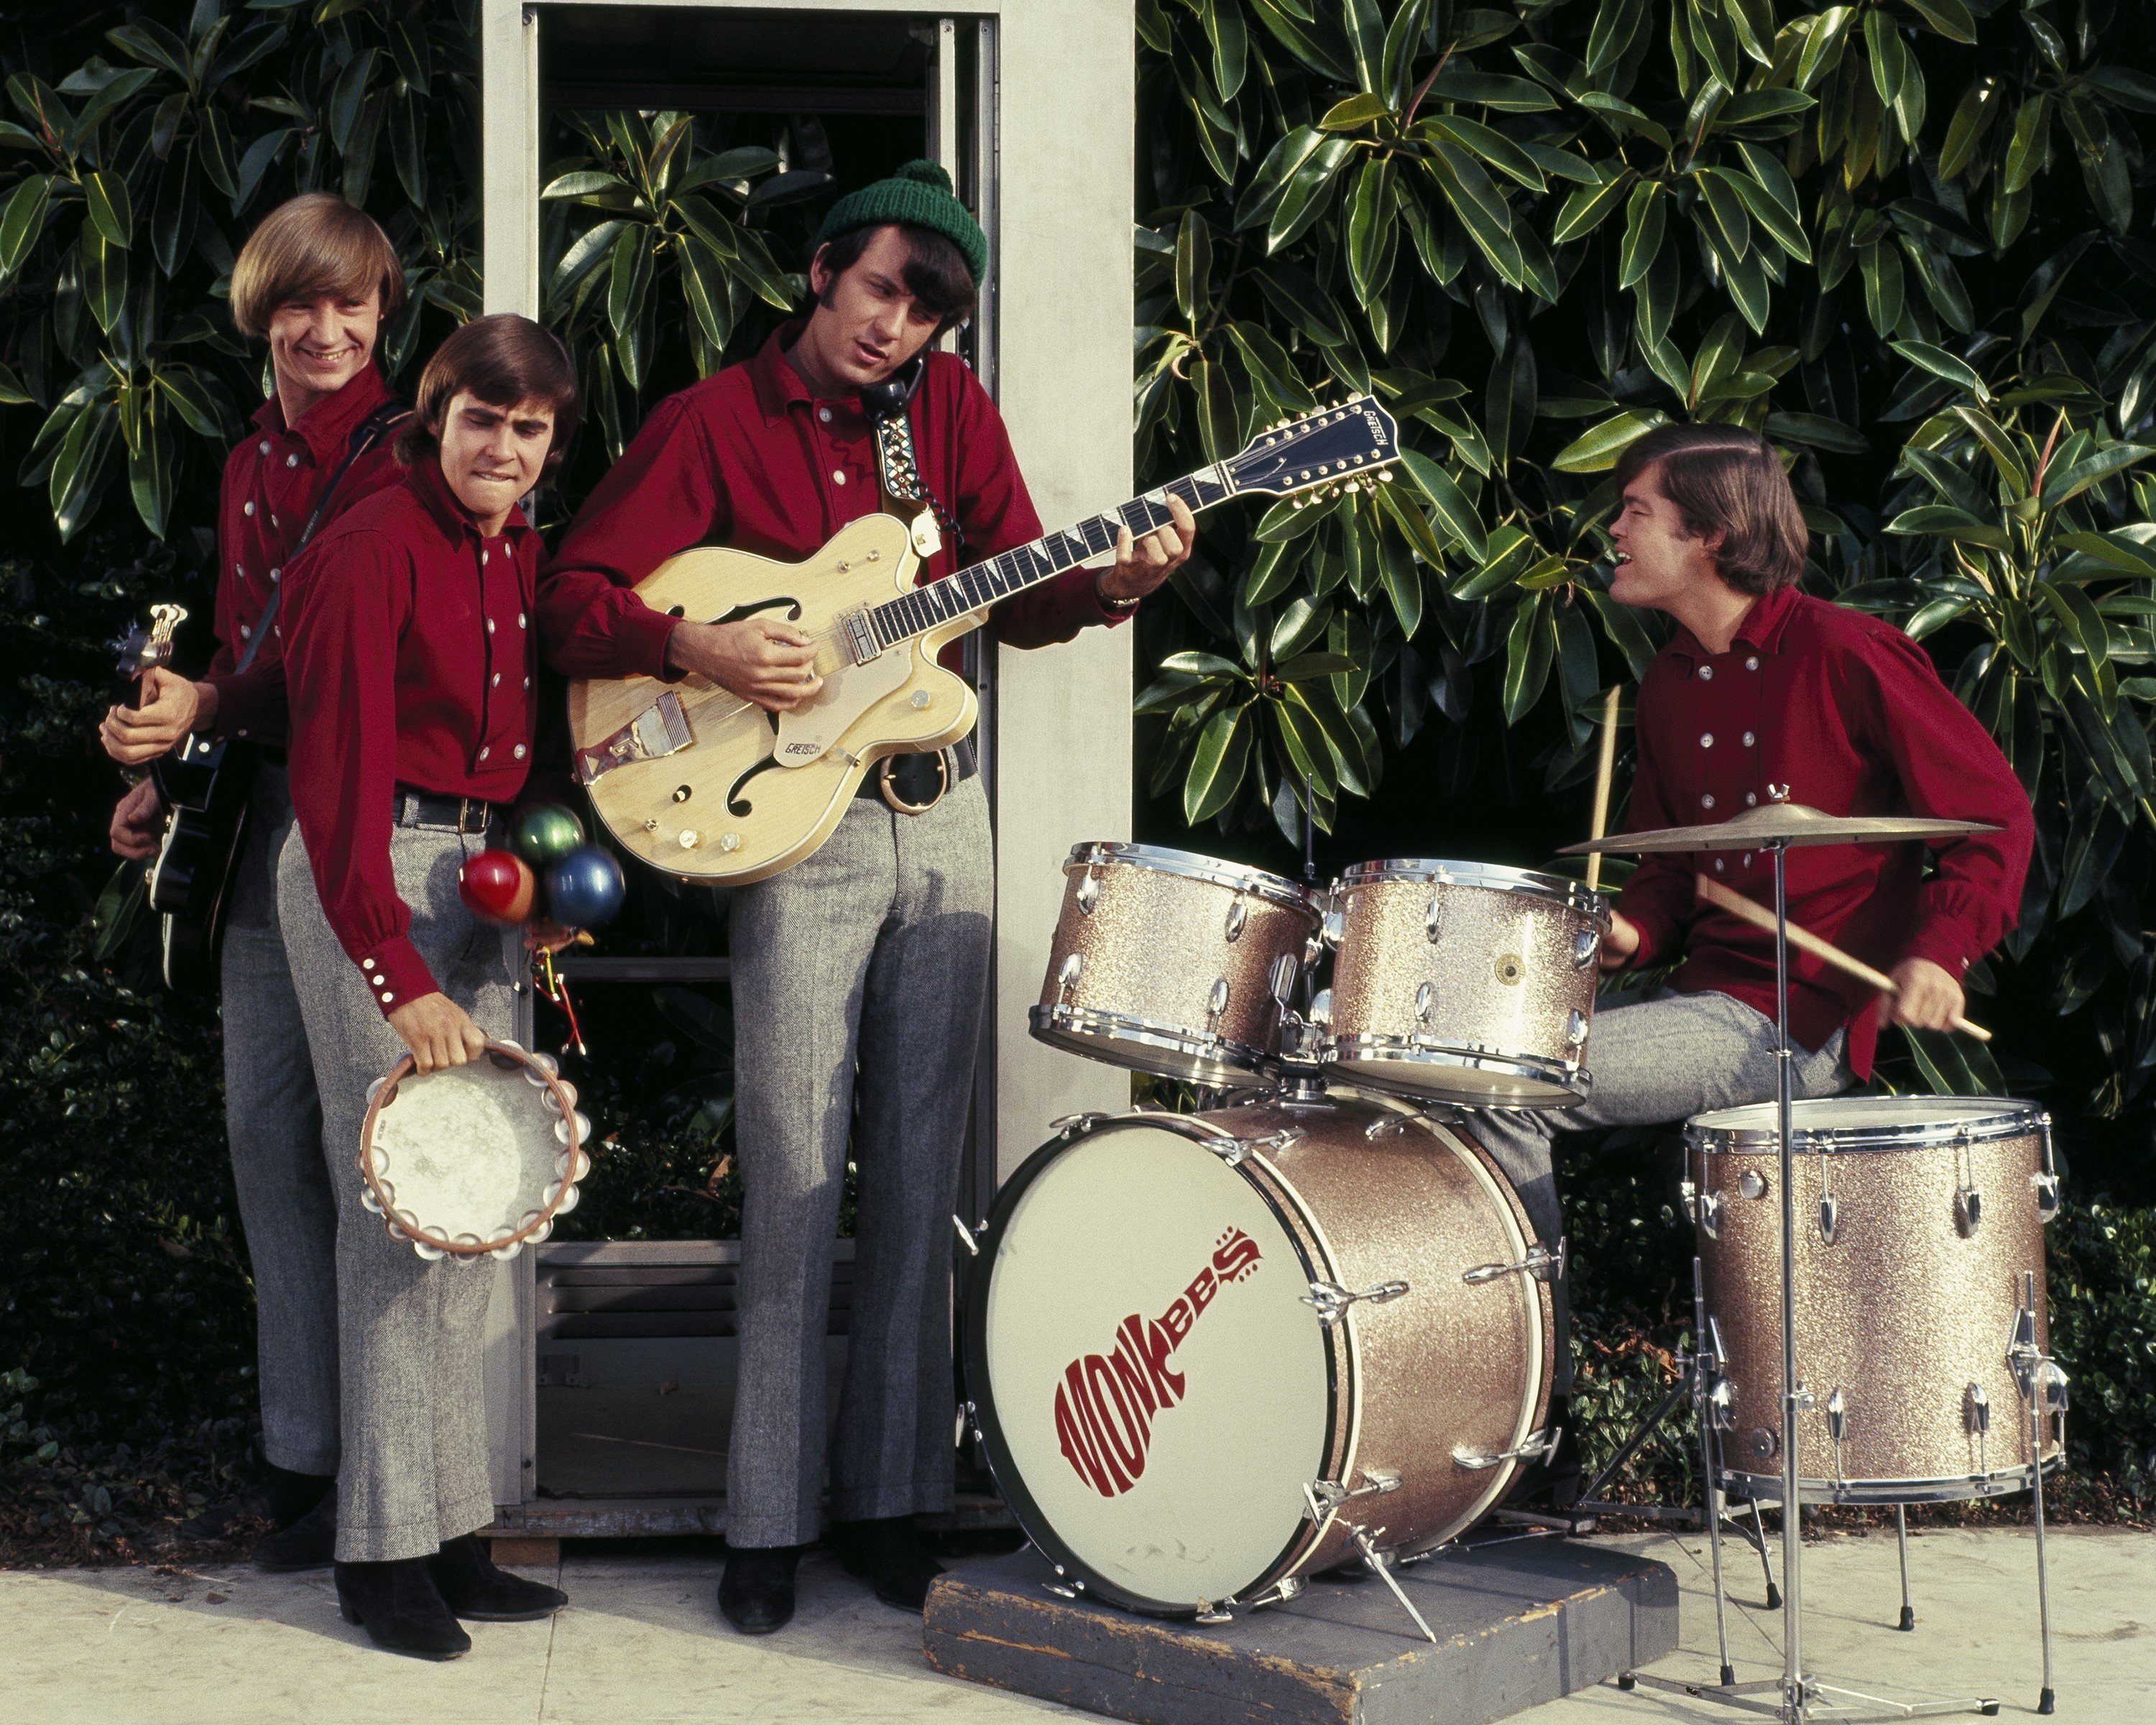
column 738, row 614
column 735, row 806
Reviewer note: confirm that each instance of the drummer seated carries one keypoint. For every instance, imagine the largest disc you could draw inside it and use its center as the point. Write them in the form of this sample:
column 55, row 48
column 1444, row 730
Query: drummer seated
column 1764, row 693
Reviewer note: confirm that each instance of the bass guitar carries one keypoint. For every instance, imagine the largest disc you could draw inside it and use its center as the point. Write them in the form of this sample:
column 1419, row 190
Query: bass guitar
column 208, row 784
column 701, row 784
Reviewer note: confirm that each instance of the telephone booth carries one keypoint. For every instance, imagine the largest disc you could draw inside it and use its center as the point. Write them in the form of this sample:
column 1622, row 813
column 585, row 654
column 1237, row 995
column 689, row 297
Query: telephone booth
column 610, row 1360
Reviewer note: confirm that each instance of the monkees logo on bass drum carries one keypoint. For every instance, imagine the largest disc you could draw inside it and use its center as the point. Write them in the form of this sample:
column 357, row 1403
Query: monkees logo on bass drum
column 1106, row 1405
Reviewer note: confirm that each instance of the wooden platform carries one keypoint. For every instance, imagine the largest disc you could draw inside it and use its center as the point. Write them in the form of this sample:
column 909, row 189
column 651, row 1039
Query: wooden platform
column 1518, row 1623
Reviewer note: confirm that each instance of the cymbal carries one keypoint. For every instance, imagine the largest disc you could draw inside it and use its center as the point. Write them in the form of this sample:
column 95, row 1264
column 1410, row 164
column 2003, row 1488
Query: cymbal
column 1790, row 824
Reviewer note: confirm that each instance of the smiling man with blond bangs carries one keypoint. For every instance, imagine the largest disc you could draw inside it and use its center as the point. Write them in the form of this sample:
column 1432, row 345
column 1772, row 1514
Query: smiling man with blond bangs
column 316, row 281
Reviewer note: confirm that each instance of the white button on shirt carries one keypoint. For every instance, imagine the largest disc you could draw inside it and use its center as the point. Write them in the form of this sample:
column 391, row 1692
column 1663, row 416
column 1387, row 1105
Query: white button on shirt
column 824, row 414
column 1707, row 740
column 247, row 507
column 275, row 573
column 486, row 752
column 292, row 460
column 520, row 750
column 1749, row 739
column 264, row 446
column 1707, row 801
column 838, row 476
column 1752, row 663
column 1707, row 674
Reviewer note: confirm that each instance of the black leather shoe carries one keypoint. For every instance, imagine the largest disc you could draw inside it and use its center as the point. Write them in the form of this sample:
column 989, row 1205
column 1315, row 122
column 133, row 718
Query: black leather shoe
column 400, row 1608
column 475, row 1589
column 309, row 1543
column 756, row 1592
column 888, row 1554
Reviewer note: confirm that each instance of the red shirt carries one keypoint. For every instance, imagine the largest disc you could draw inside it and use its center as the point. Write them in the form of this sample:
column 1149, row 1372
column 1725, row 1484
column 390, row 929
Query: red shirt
column 1847, row 711
column 748, row 458
column 410, row 647
column 272, row 480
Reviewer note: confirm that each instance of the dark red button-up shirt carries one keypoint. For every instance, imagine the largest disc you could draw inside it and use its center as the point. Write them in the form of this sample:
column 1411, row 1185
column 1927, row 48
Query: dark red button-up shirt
column 748, row 458
column 272, row 480
column 410, row 648
column 1848, row 712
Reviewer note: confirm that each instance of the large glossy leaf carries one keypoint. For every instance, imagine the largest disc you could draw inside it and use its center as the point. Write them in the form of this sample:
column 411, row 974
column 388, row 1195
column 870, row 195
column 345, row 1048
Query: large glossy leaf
column 1596, row 450
column 1219, row 764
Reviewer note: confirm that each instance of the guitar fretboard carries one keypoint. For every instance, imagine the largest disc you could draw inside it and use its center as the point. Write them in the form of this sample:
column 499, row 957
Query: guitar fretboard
column 982, row 584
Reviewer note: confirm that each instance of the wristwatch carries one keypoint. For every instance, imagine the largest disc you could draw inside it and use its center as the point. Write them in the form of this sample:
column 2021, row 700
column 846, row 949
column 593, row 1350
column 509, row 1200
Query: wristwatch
column 1120, row 608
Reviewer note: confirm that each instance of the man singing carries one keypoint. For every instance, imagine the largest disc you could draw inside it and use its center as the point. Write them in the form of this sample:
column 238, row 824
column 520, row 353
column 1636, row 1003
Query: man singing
column 859, row 974
column 315, row 282
column 1762, row 685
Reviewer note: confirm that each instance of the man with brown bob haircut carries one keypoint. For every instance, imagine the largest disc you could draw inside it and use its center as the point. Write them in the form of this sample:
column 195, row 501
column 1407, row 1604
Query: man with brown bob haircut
column 316, row 281
column 1762, row 685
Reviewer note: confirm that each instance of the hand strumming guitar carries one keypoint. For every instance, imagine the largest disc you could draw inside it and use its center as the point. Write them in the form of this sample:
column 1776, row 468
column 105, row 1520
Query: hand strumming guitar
column 760, row 659
column 439, row 1031
column 138, row 823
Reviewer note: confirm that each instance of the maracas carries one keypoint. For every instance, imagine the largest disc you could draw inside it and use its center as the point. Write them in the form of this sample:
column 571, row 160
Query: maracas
column 498, row 886
column 544, row 831
column 584, row 888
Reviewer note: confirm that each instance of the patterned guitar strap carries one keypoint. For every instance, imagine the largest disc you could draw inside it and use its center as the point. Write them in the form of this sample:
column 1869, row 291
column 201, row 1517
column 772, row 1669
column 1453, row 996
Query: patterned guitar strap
column 899, row 476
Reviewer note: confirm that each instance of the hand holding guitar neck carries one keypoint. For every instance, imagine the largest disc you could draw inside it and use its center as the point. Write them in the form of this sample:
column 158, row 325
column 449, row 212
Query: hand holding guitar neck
column 172, row 708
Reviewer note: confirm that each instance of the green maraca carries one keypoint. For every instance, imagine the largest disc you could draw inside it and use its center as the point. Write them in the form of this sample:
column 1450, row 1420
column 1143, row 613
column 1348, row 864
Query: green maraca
column 543, row 831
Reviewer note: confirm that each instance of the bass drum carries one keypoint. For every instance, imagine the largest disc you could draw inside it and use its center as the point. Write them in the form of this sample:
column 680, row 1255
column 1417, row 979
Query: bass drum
column 1213, row 1354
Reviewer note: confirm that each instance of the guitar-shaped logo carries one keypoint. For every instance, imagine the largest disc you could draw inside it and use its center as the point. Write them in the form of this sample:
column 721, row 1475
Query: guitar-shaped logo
column 700, row 783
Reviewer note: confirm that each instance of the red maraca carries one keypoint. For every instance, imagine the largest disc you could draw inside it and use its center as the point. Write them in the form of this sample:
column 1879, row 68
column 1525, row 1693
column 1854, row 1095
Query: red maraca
column 498, row 886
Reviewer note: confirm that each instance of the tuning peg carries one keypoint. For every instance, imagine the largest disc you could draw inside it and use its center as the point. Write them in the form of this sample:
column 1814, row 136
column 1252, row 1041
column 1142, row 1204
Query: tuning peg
column 1385, row 473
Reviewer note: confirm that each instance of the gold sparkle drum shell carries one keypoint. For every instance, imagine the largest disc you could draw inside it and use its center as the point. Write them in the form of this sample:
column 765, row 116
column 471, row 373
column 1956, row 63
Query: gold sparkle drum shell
column 1465, row 981
column 1173, row 963
column 1921, row 1328
column 473, row 1160
column 1207, row 1350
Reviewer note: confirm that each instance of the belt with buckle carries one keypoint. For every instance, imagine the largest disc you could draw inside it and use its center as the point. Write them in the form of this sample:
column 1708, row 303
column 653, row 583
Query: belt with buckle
column 456, row 814
column 914, row 784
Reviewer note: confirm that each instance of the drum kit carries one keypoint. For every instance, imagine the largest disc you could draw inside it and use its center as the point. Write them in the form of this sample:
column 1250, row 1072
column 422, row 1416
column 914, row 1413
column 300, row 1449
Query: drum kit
column 1214, row 1355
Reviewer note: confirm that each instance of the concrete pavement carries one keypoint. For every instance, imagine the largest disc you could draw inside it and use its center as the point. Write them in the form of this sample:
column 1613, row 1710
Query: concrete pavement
column 641, row 1644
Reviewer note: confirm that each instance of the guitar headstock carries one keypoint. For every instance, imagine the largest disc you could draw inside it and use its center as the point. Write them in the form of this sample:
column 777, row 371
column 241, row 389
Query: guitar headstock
column 144, row 647
column 1348, row 446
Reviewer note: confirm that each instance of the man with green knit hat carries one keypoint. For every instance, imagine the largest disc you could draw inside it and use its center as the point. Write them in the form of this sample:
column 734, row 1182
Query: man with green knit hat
column 859, row 974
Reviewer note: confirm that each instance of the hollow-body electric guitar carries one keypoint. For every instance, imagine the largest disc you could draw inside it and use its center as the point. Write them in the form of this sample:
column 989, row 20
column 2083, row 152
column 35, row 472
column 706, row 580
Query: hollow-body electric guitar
column 702, row 784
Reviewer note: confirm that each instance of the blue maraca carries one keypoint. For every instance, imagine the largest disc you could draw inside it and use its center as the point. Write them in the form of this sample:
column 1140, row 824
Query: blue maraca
column 584, row 888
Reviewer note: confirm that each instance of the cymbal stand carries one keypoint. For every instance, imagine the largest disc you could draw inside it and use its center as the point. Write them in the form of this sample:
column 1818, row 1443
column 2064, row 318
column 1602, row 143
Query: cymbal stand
column 1797, row 1698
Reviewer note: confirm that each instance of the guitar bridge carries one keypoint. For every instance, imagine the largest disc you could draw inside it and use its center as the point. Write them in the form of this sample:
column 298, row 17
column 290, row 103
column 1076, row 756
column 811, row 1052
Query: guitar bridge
column 660, row 730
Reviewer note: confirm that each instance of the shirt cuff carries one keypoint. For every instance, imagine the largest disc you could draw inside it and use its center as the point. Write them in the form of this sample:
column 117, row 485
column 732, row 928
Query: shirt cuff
column 247, row 707
column 396, row 973
column 1946, row 943
column 644, row 634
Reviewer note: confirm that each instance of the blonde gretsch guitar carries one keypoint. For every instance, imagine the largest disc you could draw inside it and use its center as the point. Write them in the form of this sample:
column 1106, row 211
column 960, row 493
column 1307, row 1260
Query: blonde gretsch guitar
column 699, row 782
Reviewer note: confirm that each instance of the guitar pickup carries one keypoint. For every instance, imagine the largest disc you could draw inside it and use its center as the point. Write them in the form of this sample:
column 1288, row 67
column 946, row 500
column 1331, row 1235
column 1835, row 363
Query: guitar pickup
column 660, row 730
column 861, row 643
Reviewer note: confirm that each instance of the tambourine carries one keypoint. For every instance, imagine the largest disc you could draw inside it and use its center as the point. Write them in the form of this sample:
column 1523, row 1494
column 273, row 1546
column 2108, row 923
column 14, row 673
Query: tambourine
column 475, row 1160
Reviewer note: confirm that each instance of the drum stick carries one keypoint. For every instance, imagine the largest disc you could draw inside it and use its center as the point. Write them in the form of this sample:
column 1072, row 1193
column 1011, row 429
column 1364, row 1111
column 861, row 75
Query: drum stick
column 1759, row 916
column 1601, row 772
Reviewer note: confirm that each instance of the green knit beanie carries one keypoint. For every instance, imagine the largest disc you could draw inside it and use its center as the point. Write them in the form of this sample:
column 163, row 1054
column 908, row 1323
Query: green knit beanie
column 920, row 195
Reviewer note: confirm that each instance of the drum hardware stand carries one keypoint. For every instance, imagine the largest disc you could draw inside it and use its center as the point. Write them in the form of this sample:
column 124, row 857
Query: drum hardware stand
column 1699, row 1370
column 1798, row 1697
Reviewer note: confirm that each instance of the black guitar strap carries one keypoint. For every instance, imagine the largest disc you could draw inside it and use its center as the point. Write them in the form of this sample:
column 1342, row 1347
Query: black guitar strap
column 368, row 433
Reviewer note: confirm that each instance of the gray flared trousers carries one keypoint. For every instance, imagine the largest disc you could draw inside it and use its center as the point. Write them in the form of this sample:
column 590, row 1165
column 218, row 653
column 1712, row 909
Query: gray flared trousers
column 859, row 976
column 1656, row 1060
column 274, row 1120
column 411, row 1334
